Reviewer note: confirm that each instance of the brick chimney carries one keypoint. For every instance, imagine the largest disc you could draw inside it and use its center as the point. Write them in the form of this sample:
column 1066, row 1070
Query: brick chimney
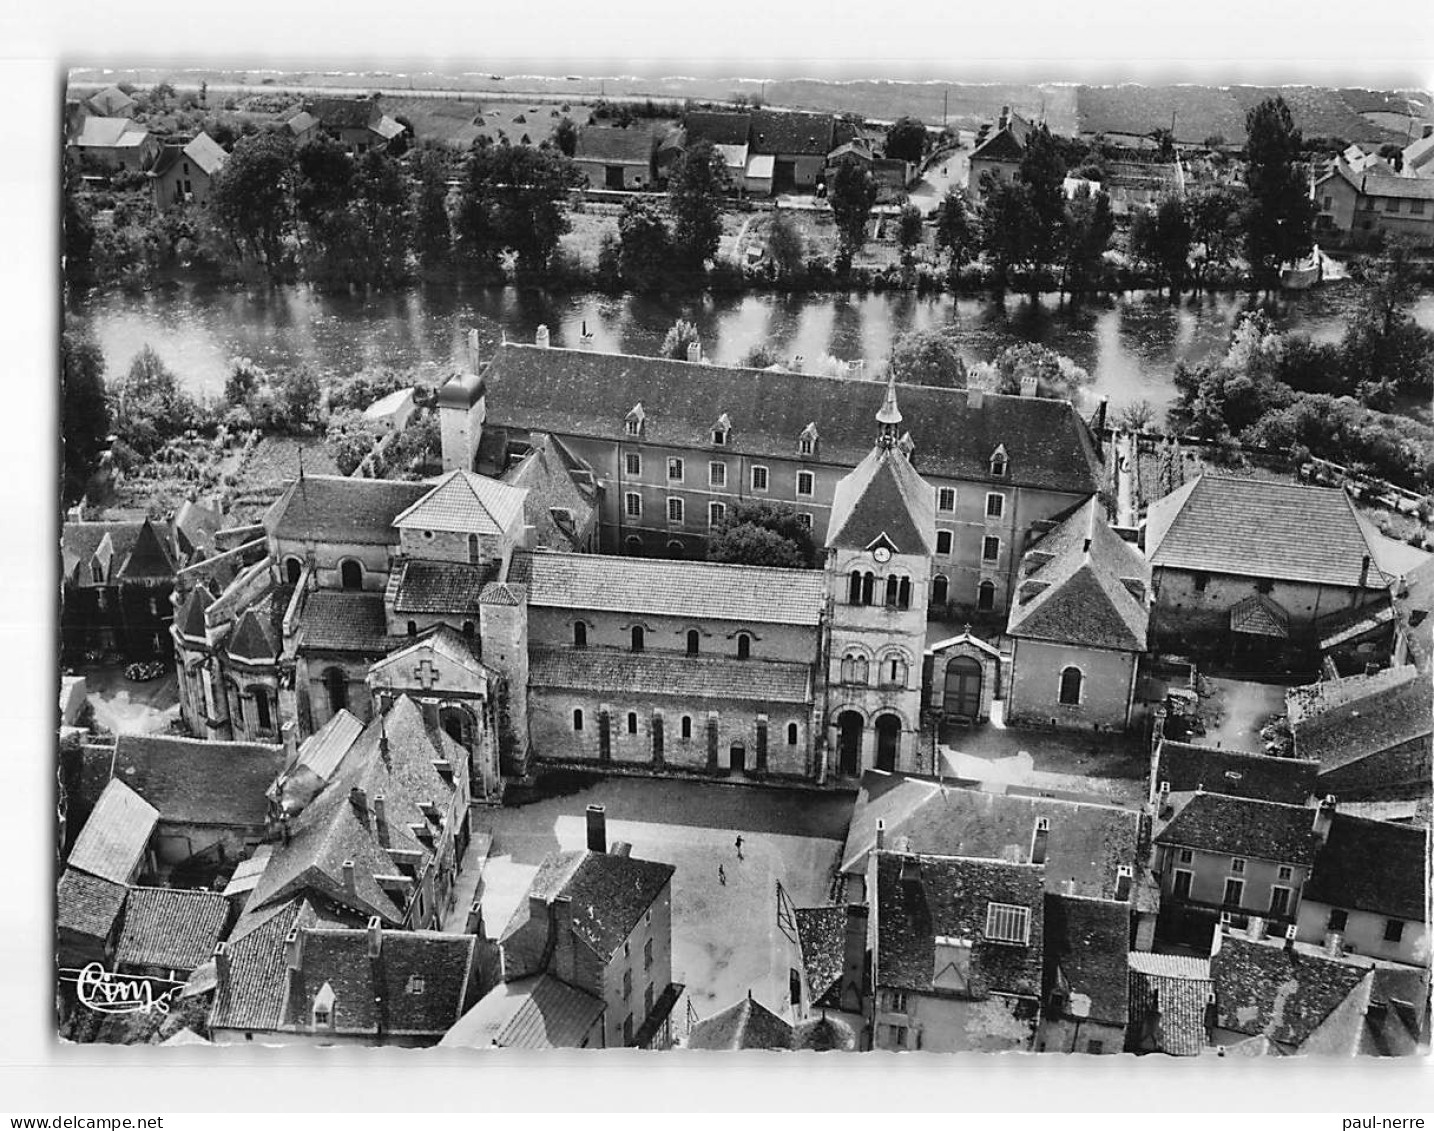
column 597, row 828
column 375, row 936
column 221, row 966
column 1363, row 571
column 975, row 396
column 1324, row 817
column 560, row 923
column 880, row 834
column 380, row 819
column 349, row 876
column 1028, row 385
column 1334, row 944
column 294, row 950
column 1039, row 836
column 853, row 967
column 1257, row 928
column 694, row 352
column 1124, row 881
column 542, row 338
column 1290, row 938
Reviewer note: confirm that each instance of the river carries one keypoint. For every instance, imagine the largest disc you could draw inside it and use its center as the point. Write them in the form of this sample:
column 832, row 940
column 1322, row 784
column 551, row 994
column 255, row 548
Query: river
column 1129, row 344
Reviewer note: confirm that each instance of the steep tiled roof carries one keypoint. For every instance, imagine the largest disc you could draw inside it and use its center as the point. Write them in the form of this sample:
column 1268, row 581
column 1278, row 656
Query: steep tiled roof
column 718, row 128
column 416, row 986
column 951, row 899
column 110, row 133
column 1265, row 990
column 344, row 621
column 1259, row 528
column 582, row 393
column 1087, row 941
column 884, row 495
column 1236, row 773
column 253, row 997
column 1086, row 843
column 694, row 590
column 171, row 928
column 114, row 839
column 87, row 904
column 822, row 933
column 251, row 640
column 556, row 482
column 1167, row 1003
column 786, row 133
column 1083, row 564
column 1341, row 721
column 529, row 1013
column 80, row 540
column 149, row 557
column 192, row 781
column 207, row 153
column 111, row 100
column 465, row 503
column 191, row 614
column 1170, row 965
column 747, row 1025
column 440, row 587
column 332, row 508
column 615, row 145
column 704, row 677
column 322, row 751
column 1238, row 826
column 1397, row 1024
column 1258, row 615
column 1372, row 866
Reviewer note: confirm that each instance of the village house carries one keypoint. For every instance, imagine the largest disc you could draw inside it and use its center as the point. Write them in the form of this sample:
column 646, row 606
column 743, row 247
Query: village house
column 1182, row 768
column 1086, row 987
column 116, row 581
column 113, row 144
column 1171, row 996
column 999, row 148
column 1368, row 204
column 170, row 932
column 358, row 124
column 183, row 174
column 111, row 102
column 618, row 158
column 729, row 134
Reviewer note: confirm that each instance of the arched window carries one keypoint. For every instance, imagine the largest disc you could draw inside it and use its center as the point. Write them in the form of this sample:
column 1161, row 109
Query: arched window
column 854, row 668
column 686, row 726
column 986, row 595
column 97, row 572
column 468, row 629
column 292, row 569
column 903, row 594
column 473, row 549
column 868, row 588
column 939, row 585
column 791, row 734
column 693, row 640
column 744, row 646
column 580, row 634
column 637, row 637
column 893, row 590
column 893, row 672
column 1071, row 680
column 351, row 574
column 634, row 546
column 413, row 628
column 854, row 589
column 577, row 718
column 263, row 716
column 632, row 722
column 674, row 548
column 336, row 683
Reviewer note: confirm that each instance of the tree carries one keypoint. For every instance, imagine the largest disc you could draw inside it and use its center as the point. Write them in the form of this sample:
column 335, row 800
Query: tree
column 927, row 357
column 1214, row 212
column 250, row 199
column 909, row 229
column 853, row 192
column 1165, row 143
column 695, row 191
column 432, row 231
column 956, row 231
column 565, row 136
column 1161, row 237
column 906, row 140
column 1279, row 216
column 1137, row 416
column 78, row 231
column 417, row 446
column 348, row 440
column 150, row 406
column 296, row 396
column 512, row 196
column 646, row 247
column 323, row 180
column 760, row 356
column 1057, row 377
column 1384, row 349
column 785, row 247
column 1043, row 172
column 242, row 383
column 1008, row 223
column 762, row 532
column 1087, row 231
column 84, row 410
column 682, row 335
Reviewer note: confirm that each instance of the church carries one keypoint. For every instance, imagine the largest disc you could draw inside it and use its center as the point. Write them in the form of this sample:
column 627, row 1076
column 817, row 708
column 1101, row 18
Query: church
column 480, row 598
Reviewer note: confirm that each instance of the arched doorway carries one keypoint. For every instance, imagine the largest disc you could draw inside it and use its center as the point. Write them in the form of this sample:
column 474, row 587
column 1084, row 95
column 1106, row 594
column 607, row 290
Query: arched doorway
column 457, row 724
column 633, row 546
column 292, row 569
column 737, row 758
column 849, row 728
column 336, row 683
column 351, row 574
column 962, row 693
column 888, row 738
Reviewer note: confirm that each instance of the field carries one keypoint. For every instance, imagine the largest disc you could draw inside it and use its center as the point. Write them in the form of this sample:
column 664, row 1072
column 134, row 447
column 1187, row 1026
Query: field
column 461, row 121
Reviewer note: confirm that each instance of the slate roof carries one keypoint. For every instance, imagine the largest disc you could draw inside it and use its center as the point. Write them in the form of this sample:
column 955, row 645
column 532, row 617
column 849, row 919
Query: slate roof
column 334, row 508
column 254, row 996
column 171, row 928
column 884, row 495
column 556, row 480
column 1372, row 866
column 193, row 781
column 79, row 541
column 1236, row 773
column 1085, row 602
column 822, row 934
column 251, row 639
column 149, row 557
column 1239, row 826
column 344, row 621
column 1341, row 721
column 615, row 145
column 529, row 1013
column 300, row 122
column 1174, row 996
column 345, row 113
column 191, row 615
column 465, row 503
column 747, row 1025
column 951, row 900
column 1086, row 843
column 440, row 587
column 783, row 133
column 691, row 590
column 1262, row 989
column 718, row 128
column 701, row 677
column 114, row 840
column 1398, row 188
column 998, row 142
column 583, row 393
column 416, row 987
column 87, row 904
column 1259, row 528
column 1086, row 944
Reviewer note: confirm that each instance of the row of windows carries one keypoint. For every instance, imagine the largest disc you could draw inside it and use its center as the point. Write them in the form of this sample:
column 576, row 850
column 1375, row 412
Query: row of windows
column 861, row 590
column 677, row 510
column 806, row 481
column 856, row 669
column 684, row 727
column 806, row 442
column 985, row 592
column 639, row 640
column 990, row 546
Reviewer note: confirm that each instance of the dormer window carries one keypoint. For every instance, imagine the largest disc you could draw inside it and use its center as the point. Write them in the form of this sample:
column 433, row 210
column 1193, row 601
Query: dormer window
column 998, row 463
column 1008, row 923
column 415, row 984
column 323, row 1011
column 635, row 420
column 97, row 572
column 807, row 442
column 720, row 430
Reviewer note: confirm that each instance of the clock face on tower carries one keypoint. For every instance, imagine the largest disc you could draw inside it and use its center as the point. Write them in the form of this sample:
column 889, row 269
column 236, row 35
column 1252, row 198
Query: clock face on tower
column 881, row 554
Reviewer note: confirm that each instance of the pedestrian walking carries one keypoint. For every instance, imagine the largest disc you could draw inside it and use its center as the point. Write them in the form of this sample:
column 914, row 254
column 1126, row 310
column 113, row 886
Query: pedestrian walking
column 739, row 847
column 722, row 875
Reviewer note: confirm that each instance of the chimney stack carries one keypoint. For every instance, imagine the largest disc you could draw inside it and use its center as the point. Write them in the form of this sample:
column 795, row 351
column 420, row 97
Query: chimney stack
column 221, row 966
column 560, row 920
column 289, row 733
column 694, row 352
column 1256, row 929
column 1028, row 385
column 542, row 338
column 473, row 356
column 1428, row 131
column 1333, row 943
column 359, row 799
column 1324, row 817
column 880, row 834
column 597, row 828
column 1039, row 837
column 1124, row 880
column 1363, row 571
column 294, row 949
column 1290, row 938
column 975, row 396
column 380, row 819
column 375, row 936
column 349, row 876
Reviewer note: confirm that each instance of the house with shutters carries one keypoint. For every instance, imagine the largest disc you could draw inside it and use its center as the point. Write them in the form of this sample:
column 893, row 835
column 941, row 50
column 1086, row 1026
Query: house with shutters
column 1179, row 768
column 620, row 158
column 1373, row 202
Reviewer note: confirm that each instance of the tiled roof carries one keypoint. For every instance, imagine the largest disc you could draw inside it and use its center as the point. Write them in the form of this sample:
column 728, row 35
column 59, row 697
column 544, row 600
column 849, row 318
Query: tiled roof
column 1372, row 866
column 615, row 145
column 111, row 100
column 1398, row 188
column 394, row 758
column 822, row 932
column 171, row 928
column 1236, row 773
column 1401, row 1027
column 345, row 113
column 322, row 751
column 110, row 133
column 245, row 876
column 999, row 145
column 253, row 998
column 1083, row 564
column 1087, row 941
column 718, row 128
column 1349, row 624
column 301, row 121
column 692, row 590
column 87, row 904
column 1341, row 721
column 583, row 393
column 556, row 482
column 1086, row 843
column 114, row 840
column 251, row 640
column 344, row 621
column 1238, row 826
column 747, row 1025
column 1258, row 615
column 1167, row 1003
column 149, row 557
column 951, row 899
column 1262, row 989
column 529, row 1013
column 465, row 503
column 1260, row 528
column 415, row 986
column 702, row 677
column 191, row 615
column 1182, row 966
column 440, row 587
column 193, row 781
column 332, row 508
column 207, row 153
column 784, row 133
column 884, row 495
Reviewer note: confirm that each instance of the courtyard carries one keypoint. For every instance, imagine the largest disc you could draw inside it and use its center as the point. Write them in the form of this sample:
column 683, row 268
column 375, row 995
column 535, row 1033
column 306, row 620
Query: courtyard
column 725, row 937
column 126, row 706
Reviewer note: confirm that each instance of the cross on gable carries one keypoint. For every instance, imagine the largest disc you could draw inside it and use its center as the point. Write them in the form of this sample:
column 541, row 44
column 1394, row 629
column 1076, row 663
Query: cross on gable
column 426, row 674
